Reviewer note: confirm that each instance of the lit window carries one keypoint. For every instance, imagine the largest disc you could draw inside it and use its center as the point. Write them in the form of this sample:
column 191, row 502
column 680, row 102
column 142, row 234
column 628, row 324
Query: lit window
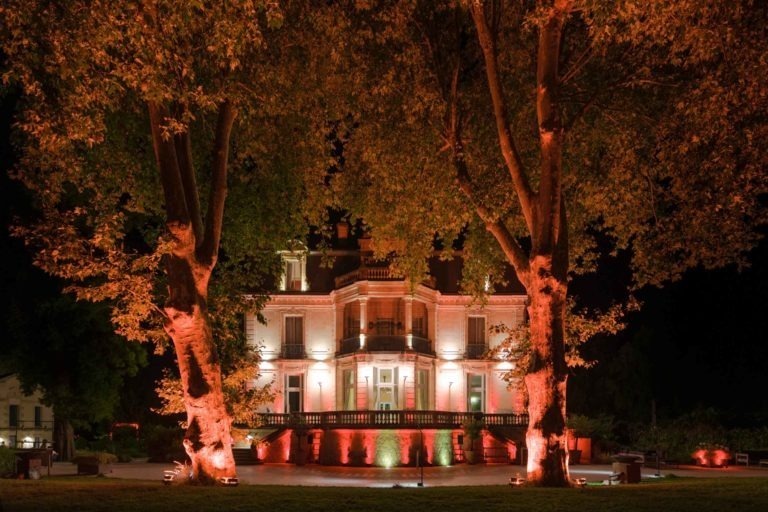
column 386, row 389
column 422, row 390
column 293, row 393
column 294, row 272
column 475, row 392
column 348, row 387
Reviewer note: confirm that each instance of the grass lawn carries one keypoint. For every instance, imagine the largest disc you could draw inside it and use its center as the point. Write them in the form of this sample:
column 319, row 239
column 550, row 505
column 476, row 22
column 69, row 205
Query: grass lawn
column 114, row 495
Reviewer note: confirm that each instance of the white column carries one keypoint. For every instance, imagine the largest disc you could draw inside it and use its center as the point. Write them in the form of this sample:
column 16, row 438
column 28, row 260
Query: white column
column 409, row 321
column 363, row 320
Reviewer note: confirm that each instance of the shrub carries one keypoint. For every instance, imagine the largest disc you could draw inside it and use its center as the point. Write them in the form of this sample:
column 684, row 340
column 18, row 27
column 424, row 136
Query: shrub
column 164, row 444
column 7, row 460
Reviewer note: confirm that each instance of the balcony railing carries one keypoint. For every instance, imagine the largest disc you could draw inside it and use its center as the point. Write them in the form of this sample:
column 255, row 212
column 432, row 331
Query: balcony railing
column 475, row 350
column 366, row 274
column 379, row 343
column 374, row 274
column 27, row 425
column 293, row 351
column 387, row 419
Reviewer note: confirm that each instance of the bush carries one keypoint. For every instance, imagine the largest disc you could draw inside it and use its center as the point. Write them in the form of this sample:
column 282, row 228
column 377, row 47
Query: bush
column 164, row 444
column 7, row 461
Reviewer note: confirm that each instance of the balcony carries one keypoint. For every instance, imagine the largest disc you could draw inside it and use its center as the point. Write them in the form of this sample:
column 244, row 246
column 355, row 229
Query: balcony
column 387, row 419
column 293, row 351
column 386, row 343
column 475, row 351
column 375, row 274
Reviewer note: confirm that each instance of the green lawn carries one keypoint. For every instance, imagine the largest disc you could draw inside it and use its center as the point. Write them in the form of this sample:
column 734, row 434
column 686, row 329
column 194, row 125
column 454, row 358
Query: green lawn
column 113, row 495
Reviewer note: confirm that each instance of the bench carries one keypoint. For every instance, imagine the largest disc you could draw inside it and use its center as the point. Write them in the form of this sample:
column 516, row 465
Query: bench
column 762, row 462
column 741, row 458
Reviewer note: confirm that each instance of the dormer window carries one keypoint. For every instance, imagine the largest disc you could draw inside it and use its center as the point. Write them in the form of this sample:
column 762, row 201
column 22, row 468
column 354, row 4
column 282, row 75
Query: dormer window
column 294, row 278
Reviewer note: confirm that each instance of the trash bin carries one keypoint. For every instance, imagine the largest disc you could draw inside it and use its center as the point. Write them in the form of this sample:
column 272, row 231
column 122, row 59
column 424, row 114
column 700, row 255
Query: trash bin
column 629, row 469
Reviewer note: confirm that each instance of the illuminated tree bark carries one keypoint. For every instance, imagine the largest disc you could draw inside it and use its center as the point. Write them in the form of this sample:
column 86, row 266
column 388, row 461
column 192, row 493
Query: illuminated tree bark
column 544, row 270
column 188, row 266
column 546, row 377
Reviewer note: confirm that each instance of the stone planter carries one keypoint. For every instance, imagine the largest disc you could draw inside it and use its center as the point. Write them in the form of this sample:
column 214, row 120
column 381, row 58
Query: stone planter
column 92, row 466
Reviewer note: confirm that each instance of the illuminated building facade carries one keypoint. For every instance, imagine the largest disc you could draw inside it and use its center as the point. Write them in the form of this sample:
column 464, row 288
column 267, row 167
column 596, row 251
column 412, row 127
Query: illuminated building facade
column 349, row 347
column 24, row 421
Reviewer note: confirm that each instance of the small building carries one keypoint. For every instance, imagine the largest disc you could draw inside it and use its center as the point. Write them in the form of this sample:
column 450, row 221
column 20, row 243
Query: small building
column 24, row 421
column 361, row 360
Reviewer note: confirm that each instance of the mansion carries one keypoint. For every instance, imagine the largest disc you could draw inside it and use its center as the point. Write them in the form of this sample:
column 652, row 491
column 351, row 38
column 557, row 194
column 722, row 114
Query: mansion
column 359, row 359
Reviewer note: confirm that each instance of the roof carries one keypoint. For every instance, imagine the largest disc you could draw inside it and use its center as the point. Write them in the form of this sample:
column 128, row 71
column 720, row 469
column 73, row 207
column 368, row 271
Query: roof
column 323, row 269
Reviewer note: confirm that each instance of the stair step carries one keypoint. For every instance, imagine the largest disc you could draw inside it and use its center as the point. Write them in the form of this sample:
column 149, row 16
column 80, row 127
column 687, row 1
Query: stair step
column 244, row 457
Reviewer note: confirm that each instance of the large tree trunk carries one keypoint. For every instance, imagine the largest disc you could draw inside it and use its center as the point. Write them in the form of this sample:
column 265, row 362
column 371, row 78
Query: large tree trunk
column 546, row 378
column 195, row 252
column 543, row 270
column 207, row 440
column 63, row 437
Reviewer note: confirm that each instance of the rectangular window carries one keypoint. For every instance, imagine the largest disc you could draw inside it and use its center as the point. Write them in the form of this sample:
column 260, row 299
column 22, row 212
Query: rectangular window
column 475, row 392
column 476, row 344
column 422, row 390
column 385, row 326
column 419, row 327
column 386, row 389
column 293, row 393
column 293, row 348
column 38, row 416
column 348, row 387
column 352, row 327
column 293, row 276
column 476, row 330
column 13, row 416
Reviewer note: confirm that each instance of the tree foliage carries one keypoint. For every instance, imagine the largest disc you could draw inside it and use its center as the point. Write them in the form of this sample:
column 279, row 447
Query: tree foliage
column 87, row 73
column 663, row 104
column 545, row 124
column 134, row 123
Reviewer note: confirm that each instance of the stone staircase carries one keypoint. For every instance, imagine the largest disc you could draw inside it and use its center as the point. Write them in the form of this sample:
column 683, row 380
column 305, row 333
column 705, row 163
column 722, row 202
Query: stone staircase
column 244, row 457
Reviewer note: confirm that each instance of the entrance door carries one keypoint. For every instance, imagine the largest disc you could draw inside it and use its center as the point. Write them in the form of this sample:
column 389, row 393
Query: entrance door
column 386, row 391
column 293, row 393
column 475, row 392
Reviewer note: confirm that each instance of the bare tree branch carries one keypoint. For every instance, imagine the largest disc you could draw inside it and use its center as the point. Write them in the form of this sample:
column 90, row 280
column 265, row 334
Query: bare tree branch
column 209, row 249
column 183, row 145
column 509, row 245
column 506, row 142
column 550, row 128
column 168, row 165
